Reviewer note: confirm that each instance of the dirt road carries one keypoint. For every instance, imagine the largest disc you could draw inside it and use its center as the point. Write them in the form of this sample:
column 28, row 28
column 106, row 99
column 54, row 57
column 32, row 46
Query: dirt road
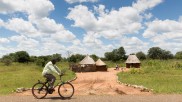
column 97, row 87
column 99, row 83
column 97, row 98
column 102, row 83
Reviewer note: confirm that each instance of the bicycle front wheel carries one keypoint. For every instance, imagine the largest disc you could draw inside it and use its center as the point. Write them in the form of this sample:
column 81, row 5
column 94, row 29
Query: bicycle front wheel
column 39, row 90
column 66, row 90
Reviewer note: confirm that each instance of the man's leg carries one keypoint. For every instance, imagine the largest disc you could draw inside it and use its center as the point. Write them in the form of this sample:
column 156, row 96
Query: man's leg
column 51, row 78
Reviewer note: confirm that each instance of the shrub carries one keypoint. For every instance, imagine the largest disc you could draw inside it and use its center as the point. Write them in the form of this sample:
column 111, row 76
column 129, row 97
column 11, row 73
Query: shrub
column 136, row 71
column 7, row 60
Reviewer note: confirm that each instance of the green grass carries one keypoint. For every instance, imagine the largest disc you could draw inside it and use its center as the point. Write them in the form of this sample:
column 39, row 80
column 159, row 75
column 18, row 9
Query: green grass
column 161, row 76
column 24, row 75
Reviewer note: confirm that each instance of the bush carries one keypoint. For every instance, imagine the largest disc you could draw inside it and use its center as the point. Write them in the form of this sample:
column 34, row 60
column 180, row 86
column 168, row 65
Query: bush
column 177, row 65
column 7, row 60
column 40, row 62
column 136, row 71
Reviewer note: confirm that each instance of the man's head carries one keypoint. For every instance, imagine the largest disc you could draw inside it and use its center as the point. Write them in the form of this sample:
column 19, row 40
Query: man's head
column 54, row 61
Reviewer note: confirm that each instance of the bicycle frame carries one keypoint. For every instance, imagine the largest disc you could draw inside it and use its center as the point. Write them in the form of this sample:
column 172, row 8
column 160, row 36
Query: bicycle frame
column 45, row 88
column 47, row 82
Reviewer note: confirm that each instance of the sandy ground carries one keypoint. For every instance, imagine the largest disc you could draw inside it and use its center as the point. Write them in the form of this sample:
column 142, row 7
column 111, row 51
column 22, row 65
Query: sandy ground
column 97, row 87
column 97, row 98
column 99, row 83
column 102, row 83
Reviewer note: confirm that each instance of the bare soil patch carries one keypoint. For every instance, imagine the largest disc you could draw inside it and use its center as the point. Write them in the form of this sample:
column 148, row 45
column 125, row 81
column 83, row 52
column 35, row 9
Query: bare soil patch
column 100, row 83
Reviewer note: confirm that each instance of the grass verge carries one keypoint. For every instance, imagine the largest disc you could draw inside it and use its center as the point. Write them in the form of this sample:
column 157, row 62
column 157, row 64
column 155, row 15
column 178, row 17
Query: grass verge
column 25, row 75
column 161, row 76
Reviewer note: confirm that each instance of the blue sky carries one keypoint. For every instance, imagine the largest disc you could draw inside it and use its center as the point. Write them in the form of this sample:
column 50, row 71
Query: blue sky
column 44, row 27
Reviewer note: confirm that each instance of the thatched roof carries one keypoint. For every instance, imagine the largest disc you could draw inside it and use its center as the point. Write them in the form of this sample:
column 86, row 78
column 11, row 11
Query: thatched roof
column 87, row 60
column 132, row 59
column 99, row 62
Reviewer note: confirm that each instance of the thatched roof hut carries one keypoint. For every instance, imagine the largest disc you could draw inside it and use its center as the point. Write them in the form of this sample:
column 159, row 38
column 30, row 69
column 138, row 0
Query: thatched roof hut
column 132, row 61
column 87, row 64
column 87, row 60
column 100, row 65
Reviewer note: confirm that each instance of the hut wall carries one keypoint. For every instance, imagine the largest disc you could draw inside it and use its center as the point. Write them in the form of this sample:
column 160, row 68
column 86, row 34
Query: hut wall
column 88, row 68
column 101, row 68
column 132, row 65
column 127, row 65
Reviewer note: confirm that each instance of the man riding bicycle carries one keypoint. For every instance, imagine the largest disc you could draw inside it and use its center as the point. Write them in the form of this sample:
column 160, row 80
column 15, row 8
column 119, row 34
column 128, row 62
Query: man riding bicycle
column 48, row 70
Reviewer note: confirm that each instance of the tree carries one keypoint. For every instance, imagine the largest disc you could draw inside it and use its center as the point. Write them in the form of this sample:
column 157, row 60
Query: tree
column 57, row 56
column 108, row 55
column 178, row 55
column 158, row 53
column 121, row 53
column 141, row 55
column 166, row 55
column 75, row 58
column 7, row 60
column 95, row 57
column 116, row 54
column 22, row 56
column 33, row 58
column 155, row 53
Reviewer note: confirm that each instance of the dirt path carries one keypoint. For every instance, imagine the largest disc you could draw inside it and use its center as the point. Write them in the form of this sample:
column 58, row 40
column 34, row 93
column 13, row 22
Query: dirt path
column 97, row 98
column 99, row 83
column 102, row 83
column 97, row 87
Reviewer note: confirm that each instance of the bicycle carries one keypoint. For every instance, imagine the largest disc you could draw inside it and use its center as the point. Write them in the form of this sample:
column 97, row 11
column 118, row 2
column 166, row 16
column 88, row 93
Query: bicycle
column 41, row 89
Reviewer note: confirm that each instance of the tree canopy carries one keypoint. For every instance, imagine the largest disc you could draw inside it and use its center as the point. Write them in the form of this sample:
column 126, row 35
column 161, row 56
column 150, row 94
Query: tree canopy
column 178, row 55
column 116, row 54
column 141, row 55
column 158, row 53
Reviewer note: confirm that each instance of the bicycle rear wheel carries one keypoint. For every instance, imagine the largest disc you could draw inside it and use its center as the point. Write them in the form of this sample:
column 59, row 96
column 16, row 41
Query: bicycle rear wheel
column 66, row 90
column 39, row 90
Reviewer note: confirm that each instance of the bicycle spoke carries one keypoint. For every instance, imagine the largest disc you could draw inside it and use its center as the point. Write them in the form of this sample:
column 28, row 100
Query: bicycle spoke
column 39, row 90
column 66, row 90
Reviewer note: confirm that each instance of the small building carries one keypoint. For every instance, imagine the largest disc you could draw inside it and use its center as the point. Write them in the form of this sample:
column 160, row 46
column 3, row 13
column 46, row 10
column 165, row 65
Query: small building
column 100, row 65
column 87, row 64
column 132, row 61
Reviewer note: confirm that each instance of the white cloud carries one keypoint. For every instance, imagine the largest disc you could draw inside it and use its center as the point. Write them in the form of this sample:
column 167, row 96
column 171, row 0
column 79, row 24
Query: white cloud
column 40, row 35
column 37, row 33
column 159, row 27
column 4, row 40
column 148, row 16
column 142, row 5
column 1, row 23
column 166, row 34
column 83, row 17
column 91, row 39
column 25, row 42
column 80, row 1
column 20, row 26
column 34, row 8
column 134, row 44
column 180, row 19
column 63, row 36
column 112, row 25
column 47, row 25
column 126, row 20
column 76, row 42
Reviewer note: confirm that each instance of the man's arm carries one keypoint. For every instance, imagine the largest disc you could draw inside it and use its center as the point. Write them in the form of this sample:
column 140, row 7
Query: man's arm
column 55, row 69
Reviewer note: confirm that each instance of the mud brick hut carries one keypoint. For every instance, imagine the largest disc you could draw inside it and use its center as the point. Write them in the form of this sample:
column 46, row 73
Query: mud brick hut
column 100, row 65
column 87, row 64
column 132, row 62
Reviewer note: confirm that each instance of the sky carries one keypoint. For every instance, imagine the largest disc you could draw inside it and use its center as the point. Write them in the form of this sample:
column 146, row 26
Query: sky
column 45, row 27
